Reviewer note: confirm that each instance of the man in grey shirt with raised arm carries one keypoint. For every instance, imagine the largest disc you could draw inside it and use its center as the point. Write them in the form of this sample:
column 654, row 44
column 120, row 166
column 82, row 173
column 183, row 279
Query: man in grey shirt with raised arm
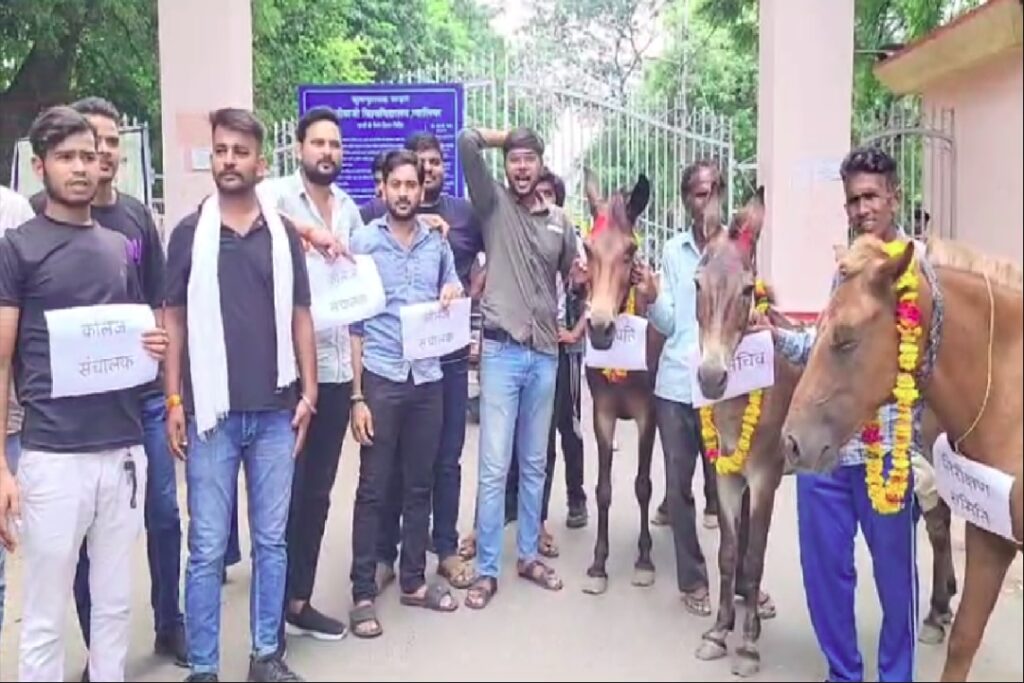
column 527, row 242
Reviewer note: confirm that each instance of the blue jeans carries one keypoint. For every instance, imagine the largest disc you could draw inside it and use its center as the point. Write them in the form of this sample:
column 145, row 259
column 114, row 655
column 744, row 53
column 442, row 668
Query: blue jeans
column 163, row 529
column 517, row 394
column 263, row 442
column 13, row 453
column 829, row 509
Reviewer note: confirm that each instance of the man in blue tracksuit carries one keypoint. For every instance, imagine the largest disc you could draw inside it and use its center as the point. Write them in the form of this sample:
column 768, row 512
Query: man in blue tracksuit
column 831, row 506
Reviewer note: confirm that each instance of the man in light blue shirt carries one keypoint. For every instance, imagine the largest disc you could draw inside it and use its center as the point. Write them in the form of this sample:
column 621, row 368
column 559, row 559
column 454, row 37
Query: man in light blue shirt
column 310, row 197
column 397, row 405
column 674, row 314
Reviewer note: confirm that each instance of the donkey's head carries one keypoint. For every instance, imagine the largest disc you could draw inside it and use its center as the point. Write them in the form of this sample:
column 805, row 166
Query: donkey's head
column 726, row 290
column 611, row 248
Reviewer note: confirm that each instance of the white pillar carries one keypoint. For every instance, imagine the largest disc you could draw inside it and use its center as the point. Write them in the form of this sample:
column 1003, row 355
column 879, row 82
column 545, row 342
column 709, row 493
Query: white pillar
column 803, row 133
column 205, row 64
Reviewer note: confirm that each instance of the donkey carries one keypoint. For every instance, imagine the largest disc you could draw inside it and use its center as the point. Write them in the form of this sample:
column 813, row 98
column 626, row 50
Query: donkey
column 611, row 251
column 725, row 299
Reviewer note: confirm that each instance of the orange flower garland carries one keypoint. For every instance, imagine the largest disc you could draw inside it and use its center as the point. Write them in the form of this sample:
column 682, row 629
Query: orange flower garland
column 887, row 496
column 733, row 464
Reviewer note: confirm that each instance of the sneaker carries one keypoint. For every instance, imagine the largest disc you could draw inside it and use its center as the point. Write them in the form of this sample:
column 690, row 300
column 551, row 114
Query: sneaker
column 310, row 622
column 269, row 670
column 202, row 678
column 171, row 644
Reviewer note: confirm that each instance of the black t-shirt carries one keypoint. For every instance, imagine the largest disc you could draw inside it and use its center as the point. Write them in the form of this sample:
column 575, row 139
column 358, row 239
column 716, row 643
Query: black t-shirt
column 47, row 265
column 246, row 277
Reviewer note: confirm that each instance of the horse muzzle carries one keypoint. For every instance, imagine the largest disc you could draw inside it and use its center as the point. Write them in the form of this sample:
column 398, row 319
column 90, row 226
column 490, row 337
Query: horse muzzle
column 808, row 450
column 713, row 378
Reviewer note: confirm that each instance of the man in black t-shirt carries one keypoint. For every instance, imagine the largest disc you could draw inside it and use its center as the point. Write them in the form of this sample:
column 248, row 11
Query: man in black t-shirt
column 82, row 472
column 128, row 216
column 241, row 343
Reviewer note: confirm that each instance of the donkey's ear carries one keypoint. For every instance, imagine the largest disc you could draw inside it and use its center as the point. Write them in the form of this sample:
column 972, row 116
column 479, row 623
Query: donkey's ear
column 592, row 189
column 638, row 198
column 747, row 224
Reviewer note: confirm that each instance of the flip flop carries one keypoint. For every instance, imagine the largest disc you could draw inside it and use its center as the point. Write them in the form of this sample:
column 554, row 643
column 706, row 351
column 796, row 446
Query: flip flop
column 433, row 599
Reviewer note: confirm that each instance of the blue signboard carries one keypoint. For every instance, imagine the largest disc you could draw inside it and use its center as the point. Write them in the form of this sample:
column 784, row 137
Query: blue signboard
column 378, row 118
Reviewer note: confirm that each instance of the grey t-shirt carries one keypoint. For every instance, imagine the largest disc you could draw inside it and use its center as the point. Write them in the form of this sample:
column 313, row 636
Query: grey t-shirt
column 47, row 265
column 524, row 252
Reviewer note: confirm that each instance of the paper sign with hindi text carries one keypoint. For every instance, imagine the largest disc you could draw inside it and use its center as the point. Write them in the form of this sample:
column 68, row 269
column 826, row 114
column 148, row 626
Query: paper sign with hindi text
column 628, row 350
column 430, row 332
column 95, row 349
column 343, row 292
column 752, row 367
column 978, row 493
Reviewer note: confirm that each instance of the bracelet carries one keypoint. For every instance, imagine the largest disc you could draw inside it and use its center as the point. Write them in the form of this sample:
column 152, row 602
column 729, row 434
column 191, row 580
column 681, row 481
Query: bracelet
column 358, row 398
column 173, row 401
column 309, row 404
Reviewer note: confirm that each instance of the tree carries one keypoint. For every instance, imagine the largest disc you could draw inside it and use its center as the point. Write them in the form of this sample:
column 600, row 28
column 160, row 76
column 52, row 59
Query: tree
column 605, row 42
column 54, row 51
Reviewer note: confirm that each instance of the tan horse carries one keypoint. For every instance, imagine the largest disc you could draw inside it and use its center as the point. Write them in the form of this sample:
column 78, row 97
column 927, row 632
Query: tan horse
column 975, row 390
column 611, row 252
column 725, row 297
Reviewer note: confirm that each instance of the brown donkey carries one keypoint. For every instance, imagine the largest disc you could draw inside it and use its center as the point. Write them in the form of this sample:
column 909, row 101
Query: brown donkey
column 975, row 390
column 725, row 299
column 611, row 251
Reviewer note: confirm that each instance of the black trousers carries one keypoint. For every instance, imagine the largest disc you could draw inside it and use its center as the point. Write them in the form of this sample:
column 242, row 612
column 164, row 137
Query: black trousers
column 679, row 426
column 315, row 471
column 406, row 435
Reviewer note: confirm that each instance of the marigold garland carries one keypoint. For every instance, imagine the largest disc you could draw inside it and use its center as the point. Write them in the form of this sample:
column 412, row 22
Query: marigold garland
column 733, row 464
column 887, row 495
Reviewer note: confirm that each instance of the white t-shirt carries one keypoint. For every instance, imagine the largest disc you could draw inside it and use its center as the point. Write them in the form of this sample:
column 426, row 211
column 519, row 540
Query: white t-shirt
column 14, row 210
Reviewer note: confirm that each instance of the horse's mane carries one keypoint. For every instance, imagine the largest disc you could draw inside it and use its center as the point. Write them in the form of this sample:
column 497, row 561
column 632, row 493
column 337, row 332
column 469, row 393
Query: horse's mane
column 959, row 256
column 944, row 253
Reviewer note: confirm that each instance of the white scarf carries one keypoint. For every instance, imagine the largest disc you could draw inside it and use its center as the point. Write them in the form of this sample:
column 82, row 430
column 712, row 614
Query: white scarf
column 206, row 348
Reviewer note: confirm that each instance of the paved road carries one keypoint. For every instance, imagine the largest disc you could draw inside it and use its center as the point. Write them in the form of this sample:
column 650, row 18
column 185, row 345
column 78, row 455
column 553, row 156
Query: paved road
column 626, row 634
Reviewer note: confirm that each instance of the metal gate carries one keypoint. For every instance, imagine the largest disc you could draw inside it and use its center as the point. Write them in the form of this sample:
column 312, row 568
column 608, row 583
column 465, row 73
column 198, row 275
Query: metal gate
column 582, row 126
column 921, row 141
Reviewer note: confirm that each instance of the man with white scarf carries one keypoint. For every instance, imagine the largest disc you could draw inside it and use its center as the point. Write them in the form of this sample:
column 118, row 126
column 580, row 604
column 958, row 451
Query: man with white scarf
column 237, row 280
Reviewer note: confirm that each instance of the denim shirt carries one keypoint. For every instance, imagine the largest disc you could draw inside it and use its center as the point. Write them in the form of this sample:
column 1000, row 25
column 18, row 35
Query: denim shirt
column 410, row 276
column 333, row 350
column 674, row 314
column 795, row 346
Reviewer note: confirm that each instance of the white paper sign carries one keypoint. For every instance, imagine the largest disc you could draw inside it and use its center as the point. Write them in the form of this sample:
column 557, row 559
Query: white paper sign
column 95, row 349
column 628, row 350
column 752, row 367
column 429, row 332
column 343, row 292
column 978, row 493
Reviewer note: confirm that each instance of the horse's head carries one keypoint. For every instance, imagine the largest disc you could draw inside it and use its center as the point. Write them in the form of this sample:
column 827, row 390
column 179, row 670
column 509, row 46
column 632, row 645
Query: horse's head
column 725, row 284
column 853, row 365
column 611, row 248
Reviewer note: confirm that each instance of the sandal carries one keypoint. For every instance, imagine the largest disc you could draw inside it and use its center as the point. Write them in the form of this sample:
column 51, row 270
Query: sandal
column 458, row 573
column 384, row 576
column 765, row 605
column 481, row 592
column 433, row 598
column 547, row 546
column 359, row 617
column 467, row 547
column 539, row 573
column 697, row 602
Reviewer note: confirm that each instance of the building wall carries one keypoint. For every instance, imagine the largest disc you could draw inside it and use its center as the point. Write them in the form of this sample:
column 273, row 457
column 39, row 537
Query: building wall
column 988, row 206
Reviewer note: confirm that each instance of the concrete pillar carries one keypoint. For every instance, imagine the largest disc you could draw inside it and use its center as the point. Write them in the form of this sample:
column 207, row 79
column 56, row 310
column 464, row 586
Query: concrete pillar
column 205, row 64
column 803, row 133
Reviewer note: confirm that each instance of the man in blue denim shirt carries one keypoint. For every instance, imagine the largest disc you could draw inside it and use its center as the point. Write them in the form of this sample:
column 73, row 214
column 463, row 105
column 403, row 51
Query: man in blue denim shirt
column 397, row 404
column 830, row 506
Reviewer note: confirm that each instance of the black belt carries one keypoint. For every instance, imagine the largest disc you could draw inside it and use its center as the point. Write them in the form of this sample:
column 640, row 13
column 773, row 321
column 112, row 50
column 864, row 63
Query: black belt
column 497, row 334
